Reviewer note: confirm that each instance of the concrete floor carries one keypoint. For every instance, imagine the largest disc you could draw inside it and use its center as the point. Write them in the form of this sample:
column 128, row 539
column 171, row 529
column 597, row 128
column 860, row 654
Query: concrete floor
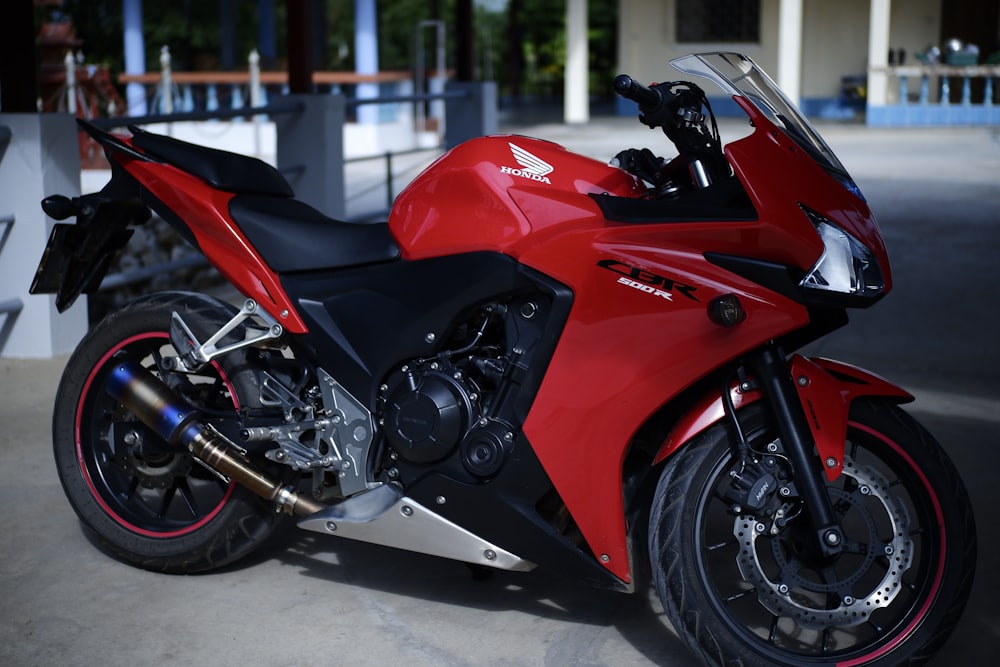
column 320, row 601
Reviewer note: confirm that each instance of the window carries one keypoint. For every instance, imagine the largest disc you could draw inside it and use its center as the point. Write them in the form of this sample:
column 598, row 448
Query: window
column 718, row 20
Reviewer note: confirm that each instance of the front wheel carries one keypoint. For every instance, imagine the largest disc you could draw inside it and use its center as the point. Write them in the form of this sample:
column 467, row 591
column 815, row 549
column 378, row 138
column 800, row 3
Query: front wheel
column 744, row 587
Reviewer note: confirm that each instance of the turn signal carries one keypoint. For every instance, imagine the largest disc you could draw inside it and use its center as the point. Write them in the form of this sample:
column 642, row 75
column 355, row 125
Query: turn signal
column 726, row 310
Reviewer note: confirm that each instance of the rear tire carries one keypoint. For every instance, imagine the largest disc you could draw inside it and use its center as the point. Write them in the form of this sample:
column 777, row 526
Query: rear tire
column 147, row 504
column 740, row 595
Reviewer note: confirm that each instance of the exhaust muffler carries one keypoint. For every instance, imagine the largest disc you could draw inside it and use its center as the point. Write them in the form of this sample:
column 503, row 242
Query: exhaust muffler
column 179, row 423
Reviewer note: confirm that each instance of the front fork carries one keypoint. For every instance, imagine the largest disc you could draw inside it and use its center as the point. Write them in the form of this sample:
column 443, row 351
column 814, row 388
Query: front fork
column 809, row 400
column 772, row 375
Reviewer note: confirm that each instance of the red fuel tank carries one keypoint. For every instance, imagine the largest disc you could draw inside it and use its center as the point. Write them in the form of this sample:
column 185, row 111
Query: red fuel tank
column 468, row 200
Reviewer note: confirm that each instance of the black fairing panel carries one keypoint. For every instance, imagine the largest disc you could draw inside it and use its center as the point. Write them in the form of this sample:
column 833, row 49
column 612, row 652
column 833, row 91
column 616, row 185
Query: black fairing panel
column 505, row 512
column 364, row 321
column 724, row 200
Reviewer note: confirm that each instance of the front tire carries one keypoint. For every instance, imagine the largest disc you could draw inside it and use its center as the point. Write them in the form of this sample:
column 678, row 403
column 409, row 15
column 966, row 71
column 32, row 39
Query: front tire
column 742, row 592
column 139, row 499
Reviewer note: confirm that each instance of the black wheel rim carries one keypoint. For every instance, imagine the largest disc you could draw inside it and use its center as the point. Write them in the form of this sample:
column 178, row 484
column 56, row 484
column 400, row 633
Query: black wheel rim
column 141, row 483
column 782, row 639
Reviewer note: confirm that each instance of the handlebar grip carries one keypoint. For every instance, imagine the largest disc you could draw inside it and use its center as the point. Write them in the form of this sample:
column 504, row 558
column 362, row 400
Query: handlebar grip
column 631, row 89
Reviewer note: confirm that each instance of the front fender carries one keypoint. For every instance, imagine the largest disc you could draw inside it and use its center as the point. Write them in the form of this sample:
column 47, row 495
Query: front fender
column 826, row 389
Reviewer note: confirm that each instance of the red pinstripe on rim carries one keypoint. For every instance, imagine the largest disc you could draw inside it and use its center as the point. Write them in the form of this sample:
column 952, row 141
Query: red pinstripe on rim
column 83, row 466
column 938, row 575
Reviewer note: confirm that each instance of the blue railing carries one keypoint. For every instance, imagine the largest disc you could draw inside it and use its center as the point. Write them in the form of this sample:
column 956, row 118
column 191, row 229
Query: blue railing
column 938, row 95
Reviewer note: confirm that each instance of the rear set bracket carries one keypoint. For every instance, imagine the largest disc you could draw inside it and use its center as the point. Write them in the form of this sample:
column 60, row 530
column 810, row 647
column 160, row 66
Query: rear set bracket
column 193, row 354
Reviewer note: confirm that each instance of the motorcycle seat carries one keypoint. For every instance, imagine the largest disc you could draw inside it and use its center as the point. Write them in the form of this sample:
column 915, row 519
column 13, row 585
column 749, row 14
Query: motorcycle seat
column 292, row 236
column 220, row 169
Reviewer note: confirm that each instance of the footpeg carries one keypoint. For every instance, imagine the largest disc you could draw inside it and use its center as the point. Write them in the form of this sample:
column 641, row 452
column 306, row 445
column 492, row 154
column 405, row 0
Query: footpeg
column 184, row 342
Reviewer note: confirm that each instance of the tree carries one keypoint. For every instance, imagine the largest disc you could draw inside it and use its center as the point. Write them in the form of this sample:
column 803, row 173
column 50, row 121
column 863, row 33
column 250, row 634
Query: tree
column 522, row 40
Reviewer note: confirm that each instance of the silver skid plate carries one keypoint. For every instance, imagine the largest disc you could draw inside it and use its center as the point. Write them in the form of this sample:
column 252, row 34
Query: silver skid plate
column 384, row 516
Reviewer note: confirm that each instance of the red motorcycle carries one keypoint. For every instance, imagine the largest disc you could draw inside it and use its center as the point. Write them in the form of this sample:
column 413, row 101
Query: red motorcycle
column 539, row 360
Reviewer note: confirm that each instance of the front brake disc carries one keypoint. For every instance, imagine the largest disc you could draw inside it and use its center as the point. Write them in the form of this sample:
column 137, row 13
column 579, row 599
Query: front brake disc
column 820, row 596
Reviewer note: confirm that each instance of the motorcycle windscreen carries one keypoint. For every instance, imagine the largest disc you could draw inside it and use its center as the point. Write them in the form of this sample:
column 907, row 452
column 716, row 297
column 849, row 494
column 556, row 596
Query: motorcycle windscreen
column 738, row 75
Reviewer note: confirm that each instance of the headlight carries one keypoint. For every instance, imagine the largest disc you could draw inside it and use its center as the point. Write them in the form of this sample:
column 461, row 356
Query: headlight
column 846, row 266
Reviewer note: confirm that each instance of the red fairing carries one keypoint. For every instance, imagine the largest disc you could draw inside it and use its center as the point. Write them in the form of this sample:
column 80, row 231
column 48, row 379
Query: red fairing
column 826, row 390
column 225, row 246
column 627, row 350
column 638, row 333
column 708, row 411
column 779, row 177
column 466, row 200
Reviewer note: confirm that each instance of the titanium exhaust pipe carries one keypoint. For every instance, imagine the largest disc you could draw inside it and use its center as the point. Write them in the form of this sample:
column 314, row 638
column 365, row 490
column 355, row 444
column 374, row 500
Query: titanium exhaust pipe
column 178, row 422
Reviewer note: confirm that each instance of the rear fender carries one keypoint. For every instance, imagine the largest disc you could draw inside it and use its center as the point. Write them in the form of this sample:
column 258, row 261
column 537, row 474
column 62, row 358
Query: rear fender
column 826, row 389
column 77, row 256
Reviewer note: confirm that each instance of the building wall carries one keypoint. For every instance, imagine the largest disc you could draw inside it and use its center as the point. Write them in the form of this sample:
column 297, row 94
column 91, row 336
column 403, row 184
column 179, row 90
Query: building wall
column 834, row 40
column 646, row 39
column 834, row 45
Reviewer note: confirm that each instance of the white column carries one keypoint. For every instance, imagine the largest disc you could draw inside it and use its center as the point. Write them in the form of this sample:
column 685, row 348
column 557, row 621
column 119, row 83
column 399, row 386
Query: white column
column 135, row 56
column 43, row 159
column 576, row 105
column 366, row 57
column 69, row 63
column 790, row 49
column 878, row 51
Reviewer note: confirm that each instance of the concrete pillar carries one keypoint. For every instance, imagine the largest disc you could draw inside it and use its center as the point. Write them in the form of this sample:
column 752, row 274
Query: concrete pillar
column 366, row 57
column 472, row 115
column 878, row 51
column 576, row 103
column 135, row 56
column 42, row 159
column 310, row 150
column 789, row 75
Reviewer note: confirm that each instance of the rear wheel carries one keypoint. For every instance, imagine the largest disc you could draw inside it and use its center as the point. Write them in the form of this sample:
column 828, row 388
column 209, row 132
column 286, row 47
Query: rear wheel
column 141, row 499
column 744, row 587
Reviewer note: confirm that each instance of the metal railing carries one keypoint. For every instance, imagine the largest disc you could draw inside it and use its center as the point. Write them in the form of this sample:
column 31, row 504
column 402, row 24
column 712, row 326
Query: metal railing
column 934, row 83
column 174, row 91
column 12, row 307
column 182, row 116
column 926, row 95
column 9, row 308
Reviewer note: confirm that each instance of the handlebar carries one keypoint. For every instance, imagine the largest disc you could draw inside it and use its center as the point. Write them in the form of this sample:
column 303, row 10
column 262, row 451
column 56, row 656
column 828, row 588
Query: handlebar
column 676, row 108
column 630, row 89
